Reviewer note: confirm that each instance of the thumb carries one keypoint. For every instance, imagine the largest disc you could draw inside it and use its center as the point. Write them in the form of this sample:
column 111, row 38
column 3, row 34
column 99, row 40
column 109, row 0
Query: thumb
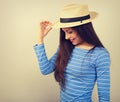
column 48, row 28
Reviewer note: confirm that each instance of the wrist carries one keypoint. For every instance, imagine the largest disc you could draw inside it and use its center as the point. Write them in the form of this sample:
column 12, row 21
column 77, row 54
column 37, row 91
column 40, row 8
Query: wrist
column 40, row 41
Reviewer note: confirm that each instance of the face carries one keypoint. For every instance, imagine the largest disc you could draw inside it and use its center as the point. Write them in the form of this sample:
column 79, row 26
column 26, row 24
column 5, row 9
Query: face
column 72, row 35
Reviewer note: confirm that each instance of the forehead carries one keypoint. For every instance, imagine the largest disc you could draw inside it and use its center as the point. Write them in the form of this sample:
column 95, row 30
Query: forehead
column 66, row 29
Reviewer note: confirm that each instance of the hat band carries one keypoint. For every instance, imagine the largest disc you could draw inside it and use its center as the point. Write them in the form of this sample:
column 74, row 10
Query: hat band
column 67, row 20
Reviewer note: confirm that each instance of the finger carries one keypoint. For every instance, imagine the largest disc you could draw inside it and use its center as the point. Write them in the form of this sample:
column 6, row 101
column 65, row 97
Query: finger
column 48, row 29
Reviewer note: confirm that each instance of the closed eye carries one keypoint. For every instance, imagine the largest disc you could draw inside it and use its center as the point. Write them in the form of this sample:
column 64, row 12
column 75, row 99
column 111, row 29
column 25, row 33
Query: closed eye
column 70, row 32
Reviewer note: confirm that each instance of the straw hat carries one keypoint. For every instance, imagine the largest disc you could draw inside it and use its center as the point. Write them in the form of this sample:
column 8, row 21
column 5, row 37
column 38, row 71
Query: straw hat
column 74, row 15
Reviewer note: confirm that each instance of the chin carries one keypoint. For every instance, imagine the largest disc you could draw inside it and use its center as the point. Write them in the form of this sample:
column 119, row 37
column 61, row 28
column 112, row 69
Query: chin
column 74, row 44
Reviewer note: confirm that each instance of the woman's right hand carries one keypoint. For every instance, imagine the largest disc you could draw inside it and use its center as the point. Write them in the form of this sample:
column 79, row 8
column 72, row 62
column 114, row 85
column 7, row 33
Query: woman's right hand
column 45, row 27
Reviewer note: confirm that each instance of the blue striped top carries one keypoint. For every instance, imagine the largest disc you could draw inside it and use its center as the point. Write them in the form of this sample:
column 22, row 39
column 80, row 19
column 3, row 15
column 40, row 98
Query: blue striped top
column 81, row 73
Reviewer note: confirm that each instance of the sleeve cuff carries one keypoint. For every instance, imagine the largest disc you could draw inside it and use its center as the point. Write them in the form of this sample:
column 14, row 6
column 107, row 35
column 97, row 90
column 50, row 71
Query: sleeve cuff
column 38, row 45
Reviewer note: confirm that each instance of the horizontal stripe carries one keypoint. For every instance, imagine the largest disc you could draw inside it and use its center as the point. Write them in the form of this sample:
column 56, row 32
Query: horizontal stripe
column 83, row 70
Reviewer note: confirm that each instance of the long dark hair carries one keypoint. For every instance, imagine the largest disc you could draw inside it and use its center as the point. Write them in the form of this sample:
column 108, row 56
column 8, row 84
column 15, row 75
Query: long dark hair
column 87, row 33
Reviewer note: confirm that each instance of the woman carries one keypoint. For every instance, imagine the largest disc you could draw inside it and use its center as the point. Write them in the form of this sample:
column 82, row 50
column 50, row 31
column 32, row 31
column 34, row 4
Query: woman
column 81, row 59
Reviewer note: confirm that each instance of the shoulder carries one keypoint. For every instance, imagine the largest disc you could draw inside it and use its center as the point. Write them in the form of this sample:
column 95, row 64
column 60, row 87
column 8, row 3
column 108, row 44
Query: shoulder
column 102, row 55
column 101, row 51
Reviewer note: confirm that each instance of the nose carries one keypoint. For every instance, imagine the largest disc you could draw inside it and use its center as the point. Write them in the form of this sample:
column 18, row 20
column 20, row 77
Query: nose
column 67, row 36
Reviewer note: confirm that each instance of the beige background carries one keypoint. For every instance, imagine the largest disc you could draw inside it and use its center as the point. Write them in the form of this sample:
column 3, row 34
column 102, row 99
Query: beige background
column 20, row 77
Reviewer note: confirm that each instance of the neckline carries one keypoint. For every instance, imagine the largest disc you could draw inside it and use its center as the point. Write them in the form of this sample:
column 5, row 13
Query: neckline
column 82, row 49
column 92, row 47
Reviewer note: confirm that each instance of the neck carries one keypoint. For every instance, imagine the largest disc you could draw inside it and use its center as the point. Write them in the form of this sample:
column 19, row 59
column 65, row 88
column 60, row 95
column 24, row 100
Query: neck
column 85, row 45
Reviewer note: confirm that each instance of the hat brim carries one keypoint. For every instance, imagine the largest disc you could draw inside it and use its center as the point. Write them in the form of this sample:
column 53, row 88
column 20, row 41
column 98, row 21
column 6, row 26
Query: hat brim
column 58, row 24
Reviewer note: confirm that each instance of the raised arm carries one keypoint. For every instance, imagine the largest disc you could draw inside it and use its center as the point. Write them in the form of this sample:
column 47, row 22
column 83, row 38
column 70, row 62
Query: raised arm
column 46, row 66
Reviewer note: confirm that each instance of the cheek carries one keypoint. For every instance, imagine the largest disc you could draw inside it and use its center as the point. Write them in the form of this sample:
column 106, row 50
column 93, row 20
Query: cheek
column 78, row 38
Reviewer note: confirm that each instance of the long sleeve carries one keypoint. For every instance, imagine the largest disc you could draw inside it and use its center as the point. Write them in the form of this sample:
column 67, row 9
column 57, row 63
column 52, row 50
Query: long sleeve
column 103, row 76
column 46, row 66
